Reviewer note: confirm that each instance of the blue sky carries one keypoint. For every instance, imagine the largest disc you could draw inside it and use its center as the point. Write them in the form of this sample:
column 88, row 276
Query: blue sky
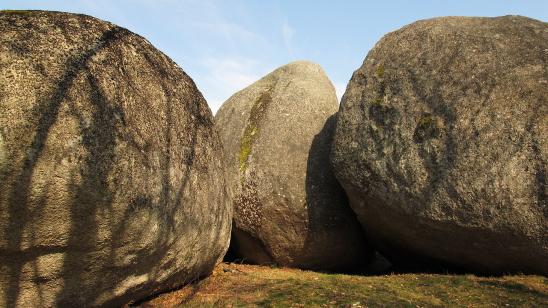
column 227, row 45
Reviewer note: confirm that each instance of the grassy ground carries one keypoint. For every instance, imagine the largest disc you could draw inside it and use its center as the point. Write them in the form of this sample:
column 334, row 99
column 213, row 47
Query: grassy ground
column 235, row 285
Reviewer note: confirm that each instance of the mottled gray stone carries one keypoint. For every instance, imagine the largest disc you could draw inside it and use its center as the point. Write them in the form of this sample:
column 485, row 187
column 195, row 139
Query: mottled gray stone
column 288, row 207
column 112, row 185
column 442, row 140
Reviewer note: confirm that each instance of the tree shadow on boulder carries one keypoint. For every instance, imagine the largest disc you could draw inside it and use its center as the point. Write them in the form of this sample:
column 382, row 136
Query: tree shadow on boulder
column 87, row 271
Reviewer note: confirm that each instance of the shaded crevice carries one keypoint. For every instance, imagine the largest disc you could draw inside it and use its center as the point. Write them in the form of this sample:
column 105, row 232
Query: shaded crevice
column 334, row 238
column 249, row 249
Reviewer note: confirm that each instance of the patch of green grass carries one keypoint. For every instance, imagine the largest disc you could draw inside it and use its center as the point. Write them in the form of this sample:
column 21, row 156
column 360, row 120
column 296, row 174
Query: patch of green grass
column 262, row 286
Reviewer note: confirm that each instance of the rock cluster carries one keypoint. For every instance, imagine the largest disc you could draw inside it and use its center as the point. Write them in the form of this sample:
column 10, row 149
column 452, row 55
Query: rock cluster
column 116, row 182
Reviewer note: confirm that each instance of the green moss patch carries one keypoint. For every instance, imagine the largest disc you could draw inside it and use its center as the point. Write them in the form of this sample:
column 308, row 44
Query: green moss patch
column 380, row 71
column 428, row 127
column 427, row 121
column 252, row 129
column 377, row 101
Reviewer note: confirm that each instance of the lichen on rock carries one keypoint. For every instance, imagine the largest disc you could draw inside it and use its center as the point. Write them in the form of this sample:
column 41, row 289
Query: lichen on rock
column 256, row 114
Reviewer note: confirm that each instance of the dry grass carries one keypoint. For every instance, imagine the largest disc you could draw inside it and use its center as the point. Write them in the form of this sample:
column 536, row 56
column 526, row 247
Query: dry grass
column 234, row 285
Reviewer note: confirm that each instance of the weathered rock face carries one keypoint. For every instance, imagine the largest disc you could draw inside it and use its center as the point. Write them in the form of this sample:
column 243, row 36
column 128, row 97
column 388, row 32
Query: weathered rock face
column 288, row 207
column 441, row 143
column 112, row 182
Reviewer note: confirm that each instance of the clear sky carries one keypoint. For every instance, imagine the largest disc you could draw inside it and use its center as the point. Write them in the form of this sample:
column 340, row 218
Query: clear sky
column 227, row 45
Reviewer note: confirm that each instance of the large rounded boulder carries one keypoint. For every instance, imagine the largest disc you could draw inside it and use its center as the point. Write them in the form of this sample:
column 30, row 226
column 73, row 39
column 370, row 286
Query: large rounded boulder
column 112, row 182
column 442, row 141
column 288, row 207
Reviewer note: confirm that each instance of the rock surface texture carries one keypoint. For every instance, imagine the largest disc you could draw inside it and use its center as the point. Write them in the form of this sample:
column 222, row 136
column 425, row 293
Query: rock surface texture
column 442, row 142
column 112, row 185
column 288, row 207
